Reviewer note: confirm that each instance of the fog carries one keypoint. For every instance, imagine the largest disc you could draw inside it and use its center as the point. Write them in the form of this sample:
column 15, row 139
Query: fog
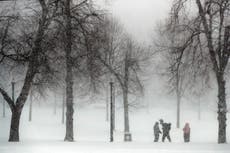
column 99, row 73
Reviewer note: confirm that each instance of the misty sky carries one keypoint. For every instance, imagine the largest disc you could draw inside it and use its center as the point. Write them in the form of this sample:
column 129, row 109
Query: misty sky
column 141, row 16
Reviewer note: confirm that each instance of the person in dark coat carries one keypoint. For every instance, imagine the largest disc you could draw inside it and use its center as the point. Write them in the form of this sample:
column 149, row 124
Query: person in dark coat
column 186, row 131
column 166, row 127
column 157, row 131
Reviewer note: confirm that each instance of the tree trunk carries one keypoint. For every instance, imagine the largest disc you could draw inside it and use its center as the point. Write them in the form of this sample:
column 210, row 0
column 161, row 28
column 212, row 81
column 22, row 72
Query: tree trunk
column 69, row 75
column 14, row 128
column 69, row 110
column 222, row 108
column 55, row 104
column 107, row 103
column 31, row 105
column 63, row 108
column 178, row 99
column 112, row 112
column 199, row 109
column 178, row 95
column 126, row 111
column 127, row 135
column 4, row 108
column 178, row 110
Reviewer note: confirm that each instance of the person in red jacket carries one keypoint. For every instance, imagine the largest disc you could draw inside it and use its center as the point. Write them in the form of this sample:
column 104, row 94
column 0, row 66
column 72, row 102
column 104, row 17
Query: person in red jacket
column 186, row 130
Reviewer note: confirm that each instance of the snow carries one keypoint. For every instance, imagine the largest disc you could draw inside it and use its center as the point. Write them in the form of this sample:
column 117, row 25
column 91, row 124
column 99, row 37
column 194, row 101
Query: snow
column 45, row 133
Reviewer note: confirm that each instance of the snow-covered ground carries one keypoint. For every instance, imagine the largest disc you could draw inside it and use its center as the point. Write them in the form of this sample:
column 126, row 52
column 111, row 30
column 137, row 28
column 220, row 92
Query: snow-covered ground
column 45, row 133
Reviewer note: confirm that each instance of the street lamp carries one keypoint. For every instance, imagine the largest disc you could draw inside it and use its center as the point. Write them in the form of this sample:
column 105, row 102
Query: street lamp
column 112, row 111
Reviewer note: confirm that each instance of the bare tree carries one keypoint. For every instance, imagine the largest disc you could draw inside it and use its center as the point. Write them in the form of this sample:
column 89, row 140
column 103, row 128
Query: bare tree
column 19, row 49
column 75, row 24
column 69, row 73
column 202, row 35
column 121, row 57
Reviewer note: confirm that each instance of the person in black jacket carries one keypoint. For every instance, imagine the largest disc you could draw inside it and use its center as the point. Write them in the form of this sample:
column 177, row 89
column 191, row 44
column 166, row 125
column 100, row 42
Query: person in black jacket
column 166, row 127
column 157, row 131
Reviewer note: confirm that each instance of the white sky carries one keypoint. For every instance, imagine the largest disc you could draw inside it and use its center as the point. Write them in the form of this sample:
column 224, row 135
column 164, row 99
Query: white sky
column 141, row 16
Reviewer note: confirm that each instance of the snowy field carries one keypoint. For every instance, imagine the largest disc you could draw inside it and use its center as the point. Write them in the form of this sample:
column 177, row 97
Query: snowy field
column 45, row 133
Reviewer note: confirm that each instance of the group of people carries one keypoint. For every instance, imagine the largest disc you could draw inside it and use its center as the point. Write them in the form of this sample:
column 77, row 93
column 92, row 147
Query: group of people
column 166, row 127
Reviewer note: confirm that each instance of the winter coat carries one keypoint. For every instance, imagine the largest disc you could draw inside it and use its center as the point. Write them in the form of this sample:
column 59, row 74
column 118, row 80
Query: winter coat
column 186, row 128
column 156, row 129
column 166, row 127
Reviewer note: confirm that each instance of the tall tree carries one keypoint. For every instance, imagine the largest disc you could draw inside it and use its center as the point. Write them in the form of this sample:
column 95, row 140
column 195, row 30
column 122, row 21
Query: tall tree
column 69, row 73
column 27, row 51
column 121, row 57
column 204, row 34
column 75, row 23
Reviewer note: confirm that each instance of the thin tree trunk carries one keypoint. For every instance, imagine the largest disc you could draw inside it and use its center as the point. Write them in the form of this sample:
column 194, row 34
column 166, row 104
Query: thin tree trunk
column 199, row 109
column 69, row 75
column 178, row 100
column 112, row 117
column 222, row 108
column 126, row 111
column 55, row 104
column 127, row 135
column 4, row 108
column 14, row 128
column 107, row 103
column 31, row 105
column 63, row 108
column 178, row 111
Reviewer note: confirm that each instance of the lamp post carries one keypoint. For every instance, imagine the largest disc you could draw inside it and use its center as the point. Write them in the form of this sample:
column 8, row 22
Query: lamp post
column 112, row 111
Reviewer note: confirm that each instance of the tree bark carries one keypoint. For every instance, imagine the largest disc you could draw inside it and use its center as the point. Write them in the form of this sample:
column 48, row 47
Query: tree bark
column 14, row 128
column 126, row 111
column 63, row 108
column 222, row 108
column 55, row 104
column 31, row 105
column 178, row 99
column 178, row 110
column 199, row 109
column 4, row 108
column 107, row 103
column 33, row 66
column 127, row 135
column 69, row 75
column 219, row 69
column 112, row 112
